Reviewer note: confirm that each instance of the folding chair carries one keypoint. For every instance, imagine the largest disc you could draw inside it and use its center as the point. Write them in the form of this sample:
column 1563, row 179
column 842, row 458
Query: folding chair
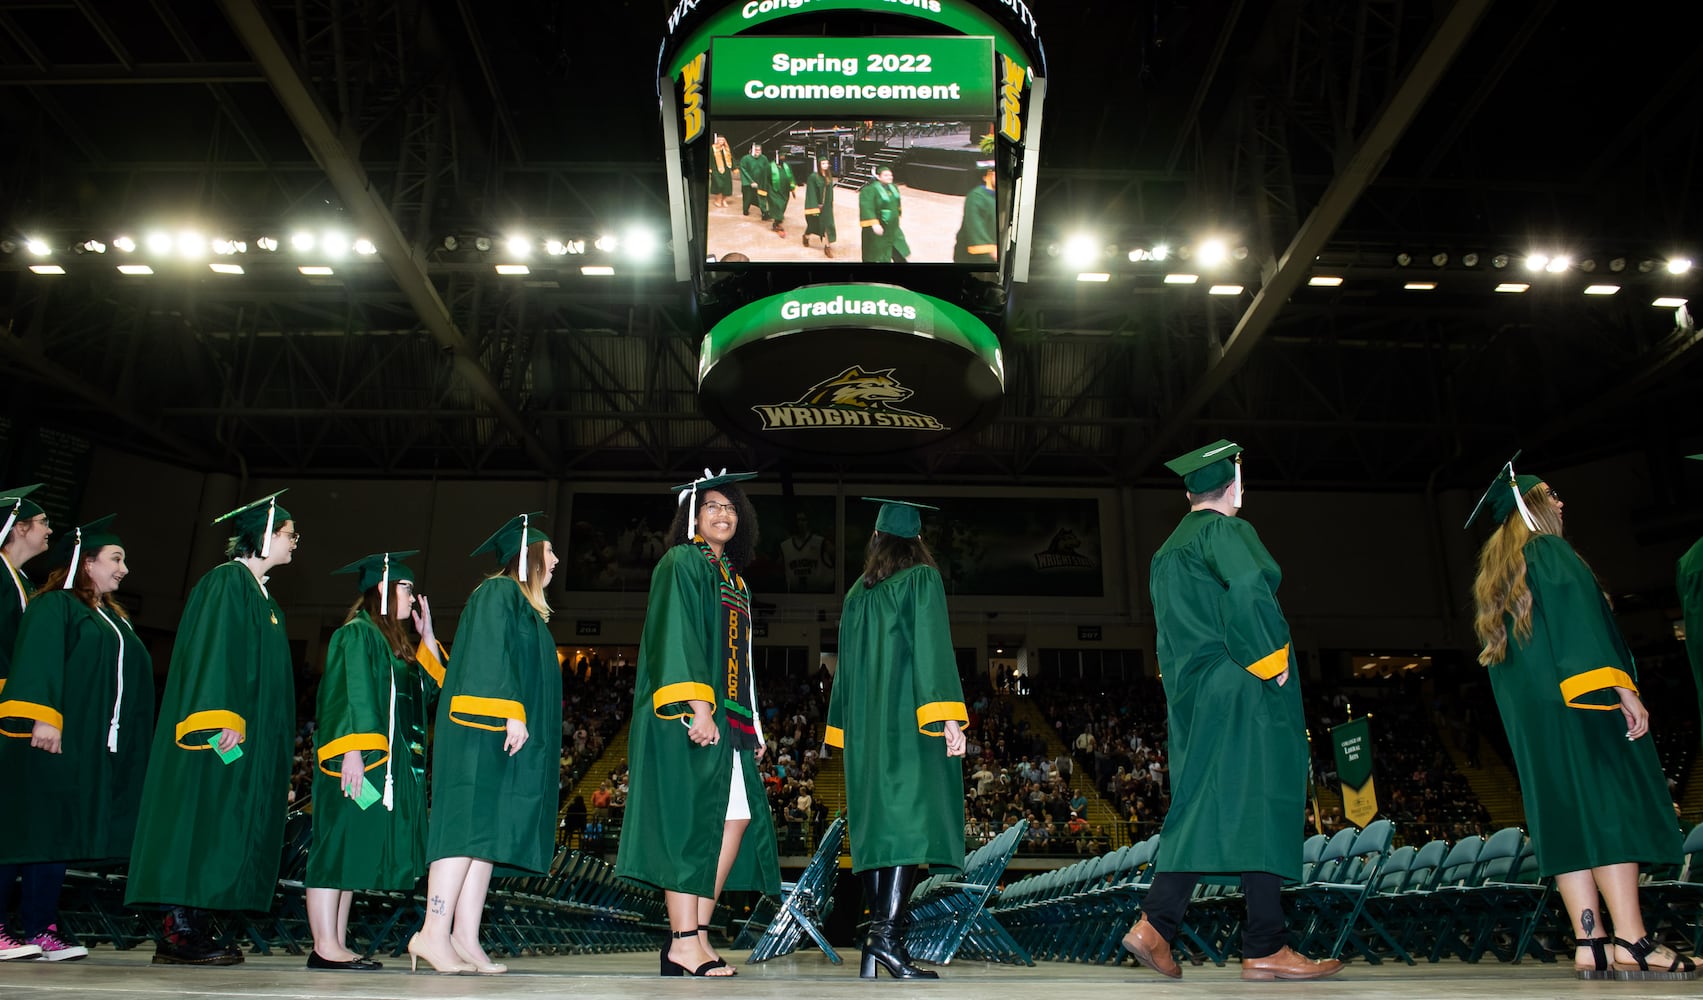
column 806, row 904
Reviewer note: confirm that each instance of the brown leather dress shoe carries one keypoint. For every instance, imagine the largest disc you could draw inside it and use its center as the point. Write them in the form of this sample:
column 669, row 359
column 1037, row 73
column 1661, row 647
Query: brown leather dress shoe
column 1150, row 949
column 1285, row 963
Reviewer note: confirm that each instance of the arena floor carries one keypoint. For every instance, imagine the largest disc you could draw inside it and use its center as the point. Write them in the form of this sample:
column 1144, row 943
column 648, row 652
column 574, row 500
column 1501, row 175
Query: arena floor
column 129, row 976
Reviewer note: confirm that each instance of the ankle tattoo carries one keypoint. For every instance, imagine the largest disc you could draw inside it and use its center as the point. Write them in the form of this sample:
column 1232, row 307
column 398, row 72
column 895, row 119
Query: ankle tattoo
column 437, row 905
column 1588, row 921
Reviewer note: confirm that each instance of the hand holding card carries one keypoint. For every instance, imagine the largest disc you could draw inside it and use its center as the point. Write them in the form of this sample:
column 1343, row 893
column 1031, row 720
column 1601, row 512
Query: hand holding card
column 228, row 756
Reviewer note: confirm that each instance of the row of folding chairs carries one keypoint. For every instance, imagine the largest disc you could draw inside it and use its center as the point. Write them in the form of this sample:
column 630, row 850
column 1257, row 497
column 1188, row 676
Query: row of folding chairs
column 951, row 914
column 804, row 905
column 1358, row 896
column 578, row 906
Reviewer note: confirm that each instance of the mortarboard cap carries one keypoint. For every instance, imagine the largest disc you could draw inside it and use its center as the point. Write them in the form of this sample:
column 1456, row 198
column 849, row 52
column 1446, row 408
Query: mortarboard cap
column 1206, row 469
column 899, row 518
column 511, row 539
column 378, row 570
column 708, row 481
column 1695, row 458
column 85, row 538
column 1505, row 494
column 258, row 518
column 15, row 505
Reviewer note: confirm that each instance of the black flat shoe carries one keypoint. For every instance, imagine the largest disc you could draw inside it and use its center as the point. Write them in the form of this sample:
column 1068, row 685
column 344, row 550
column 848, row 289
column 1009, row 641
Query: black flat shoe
column 356, row 964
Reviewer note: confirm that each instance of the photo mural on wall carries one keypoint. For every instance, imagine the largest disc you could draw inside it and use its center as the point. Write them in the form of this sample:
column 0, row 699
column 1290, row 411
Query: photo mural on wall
column 1001, row 547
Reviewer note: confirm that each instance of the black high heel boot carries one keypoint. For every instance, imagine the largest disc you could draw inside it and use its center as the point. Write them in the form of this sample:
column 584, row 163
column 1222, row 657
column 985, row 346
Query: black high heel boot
column 885, row 889
column 907, row 876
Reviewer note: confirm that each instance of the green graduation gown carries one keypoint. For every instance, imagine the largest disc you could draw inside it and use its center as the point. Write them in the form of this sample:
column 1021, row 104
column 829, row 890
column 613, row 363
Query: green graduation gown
column 977, row 239
column 1690, row 582
column 896, row 687
column 1238, row 740
column 879, row 202
column 780, row 189
column 678, row 791
column 211, row 834
column 721, row 170
column 374, row 848
column 754, row 184
column 819, row 208
column 485, row 803
column 15, row 590
column 1592, row 798
column 86, row 672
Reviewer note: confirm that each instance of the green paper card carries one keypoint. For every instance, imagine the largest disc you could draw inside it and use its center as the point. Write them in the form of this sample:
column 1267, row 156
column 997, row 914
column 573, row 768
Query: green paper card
column 368, row 794
column 228, row 756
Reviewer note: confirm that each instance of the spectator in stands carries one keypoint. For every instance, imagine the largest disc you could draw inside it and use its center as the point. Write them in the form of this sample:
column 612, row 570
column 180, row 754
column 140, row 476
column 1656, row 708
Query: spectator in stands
column 697, row 820
column 1236, row 724
column 574, row 819
column 493, row 800
column 1594, row 794
column 896, row 693
column 601, row 798
column 232, row 681
column 72, row 776
column 378, row 687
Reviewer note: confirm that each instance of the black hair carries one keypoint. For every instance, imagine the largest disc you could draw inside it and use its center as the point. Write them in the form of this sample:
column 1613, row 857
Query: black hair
column 742, row 547
column 1212, row 495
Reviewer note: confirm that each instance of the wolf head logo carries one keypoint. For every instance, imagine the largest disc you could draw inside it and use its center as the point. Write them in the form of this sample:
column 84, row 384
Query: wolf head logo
column 1064, row 542
column 855, row 387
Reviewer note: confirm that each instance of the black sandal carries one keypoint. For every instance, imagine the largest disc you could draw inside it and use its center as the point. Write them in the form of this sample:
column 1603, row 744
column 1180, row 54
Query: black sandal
column 715, row 963
column 672, row 968
column 1642, row 949
column 1599, row 958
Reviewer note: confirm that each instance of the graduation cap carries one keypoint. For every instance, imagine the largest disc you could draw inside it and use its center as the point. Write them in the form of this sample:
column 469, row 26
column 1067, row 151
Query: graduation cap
column 708, row 481
column 263, row 516
column 89, row 536
column 377, row 570
column 1504, row 495
column 14, row 500
column 983, row 166
column 512, row 539
column 1206, row 469
column 899, row 518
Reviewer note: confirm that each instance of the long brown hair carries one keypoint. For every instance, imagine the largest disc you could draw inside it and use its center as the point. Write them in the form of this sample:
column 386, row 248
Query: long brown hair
column 890, row 554
column 395, row 634
column 1500, row 590
column 83, row 586
column 533, row 588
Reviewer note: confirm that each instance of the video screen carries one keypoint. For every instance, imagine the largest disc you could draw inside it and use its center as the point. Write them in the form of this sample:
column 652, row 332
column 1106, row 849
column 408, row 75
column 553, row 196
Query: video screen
column 887, row 192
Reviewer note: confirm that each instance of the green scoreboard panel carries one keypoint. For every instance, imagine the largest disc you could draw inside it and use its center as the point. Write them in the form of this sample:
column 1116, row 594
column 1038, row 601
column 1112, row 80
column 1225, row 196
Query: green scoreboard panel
column 925, row 77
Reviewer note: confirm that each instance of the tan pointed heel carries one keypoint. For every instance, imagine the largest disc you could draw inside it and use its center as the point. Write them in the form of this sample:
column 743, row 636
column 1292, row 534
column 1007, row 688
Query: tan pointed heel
column 488, row 969
column 417, row 950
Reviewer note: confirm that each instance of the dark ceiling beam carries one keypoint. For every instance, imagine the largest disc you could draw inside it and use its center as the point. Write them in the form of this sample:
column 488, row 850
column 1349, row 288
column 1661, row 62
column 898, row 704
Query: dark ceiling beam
column 1191, row 118
column 149, row 74
column 1296, row 262
column 368, row 210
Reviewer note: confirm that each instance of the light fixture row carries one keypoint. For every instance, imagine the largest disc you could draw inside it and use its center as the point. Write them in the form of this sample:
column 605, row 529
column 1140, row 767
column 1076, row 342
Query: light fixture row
column 1549, row 261
column 639, row 243
column 307, row 270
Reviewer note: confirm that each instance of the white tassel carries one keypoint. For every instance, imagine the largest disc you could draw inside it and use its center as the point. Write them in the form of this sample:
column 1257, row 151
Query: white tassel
column 76, row 553
column 266, row 539
column 1520, row 502
column 11, row 518
column 384, row 589
column 1237, row 502
column 523, row 558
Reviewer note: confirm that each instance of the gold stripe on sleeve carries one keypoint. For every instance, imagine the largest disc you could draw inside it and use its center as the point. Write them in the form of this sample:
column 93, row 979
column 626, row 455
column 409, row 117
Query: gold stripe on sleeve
column 1579, row 685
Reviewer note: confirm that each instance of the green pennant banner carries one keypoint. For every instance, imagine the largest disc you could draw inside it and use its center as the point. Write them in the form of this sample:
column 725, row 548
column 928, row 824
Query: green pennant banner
column 1352, row 742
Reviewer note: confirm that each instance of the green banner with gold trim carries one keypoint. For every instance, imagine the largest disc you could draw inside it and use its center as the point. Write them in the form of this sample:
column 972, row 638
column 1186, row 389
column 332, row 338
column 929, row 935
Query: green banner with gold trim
column 1352, row 742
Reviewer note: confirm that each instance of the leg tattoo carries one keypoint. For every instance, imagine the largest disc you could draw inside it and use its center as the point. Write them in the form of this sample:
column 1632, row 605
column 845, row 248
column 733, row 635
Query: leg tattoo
column 1588, row 921
column 437, row 905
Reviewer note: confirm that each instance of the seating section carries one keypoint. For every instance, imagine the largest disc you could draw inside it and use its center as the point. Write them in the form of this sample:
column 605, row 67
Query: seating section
column 805, row 905
column 950, row 914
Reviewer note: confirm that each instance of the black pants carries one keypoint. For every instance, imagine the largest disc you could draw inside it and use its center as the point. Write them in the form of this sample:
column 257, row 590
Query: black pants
column 1263, row 933
column 39, row 907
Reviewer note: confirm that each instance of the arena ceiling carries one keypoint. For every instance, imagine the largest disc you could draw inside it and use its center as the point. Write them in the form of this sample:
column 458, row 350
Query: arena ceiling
column 1387, row 143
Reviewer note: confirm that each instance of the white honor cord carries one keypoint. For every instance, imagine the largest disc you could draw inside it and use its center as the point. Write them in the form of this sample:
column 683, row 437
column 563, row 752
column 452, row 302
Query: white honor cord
column 390, row 748
column 118, row 700
column 384, row 589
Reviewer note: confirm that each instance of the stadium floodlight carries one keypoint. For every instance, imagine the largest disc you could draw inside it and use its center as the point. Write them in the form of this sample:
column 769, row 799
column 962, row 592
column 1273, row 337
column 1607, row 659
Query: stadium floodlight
column 335, row 244
column 1080, row 250
column 1679, row 265
column 1212, row 252
column 365, row 247
column 302, row 241
column 37, row 246
column 124, row 244
column 513, row 269
column 641, row 243
column 597, row 270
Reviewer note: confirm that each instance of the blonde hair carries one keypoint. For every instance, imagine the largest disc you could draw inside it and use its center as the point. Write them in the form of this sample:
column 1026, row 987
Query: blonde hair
column 1500, row 590
column 533, row 588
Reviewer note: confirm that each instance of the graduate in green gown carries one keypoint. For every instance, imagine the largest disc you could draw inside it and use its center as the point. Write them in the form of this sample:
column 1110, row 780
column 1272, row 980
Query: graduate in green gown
column 23, row 536
column 1689, row 579
column 978, row 234
column 781, row 183
column 1238, row 741
column 879, row 207
column 496, row 749
column 754, row 172
column 721, row 172
column 80, row 710
column 1596, row 801
column 898, row 711
column 369, row 793
column 697, row 818
column 819, row 206
column 210, row 834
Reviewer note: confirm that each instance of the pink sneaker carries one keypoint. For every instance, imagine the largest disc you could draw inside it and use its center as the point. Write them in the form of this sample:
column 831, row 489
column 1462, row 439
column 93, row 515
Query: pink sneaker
column 55, row 948
column 11, row 947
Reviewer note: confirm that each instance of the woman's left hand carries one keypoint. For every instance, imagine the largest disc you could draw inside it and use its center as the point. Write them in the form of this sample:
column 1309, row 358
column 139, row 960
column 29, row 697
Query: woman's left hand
column 1637, row 716
column 423, row 622
column 44, row 736
column 759, row 754
column 354, row 774
column 955, row 741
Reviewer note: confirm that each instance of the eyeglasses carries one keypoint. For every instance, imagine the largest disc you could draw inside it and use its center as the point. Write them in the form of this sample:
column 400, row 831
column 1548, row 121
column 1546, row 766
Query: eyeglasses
column 714, row 506
column 1552, row 494
column 295, row 537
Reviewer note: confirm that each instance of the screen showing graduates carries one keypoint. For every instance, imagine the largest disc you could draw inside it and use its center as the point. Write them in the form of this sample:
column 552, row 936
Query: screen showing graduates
column 859, row 192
